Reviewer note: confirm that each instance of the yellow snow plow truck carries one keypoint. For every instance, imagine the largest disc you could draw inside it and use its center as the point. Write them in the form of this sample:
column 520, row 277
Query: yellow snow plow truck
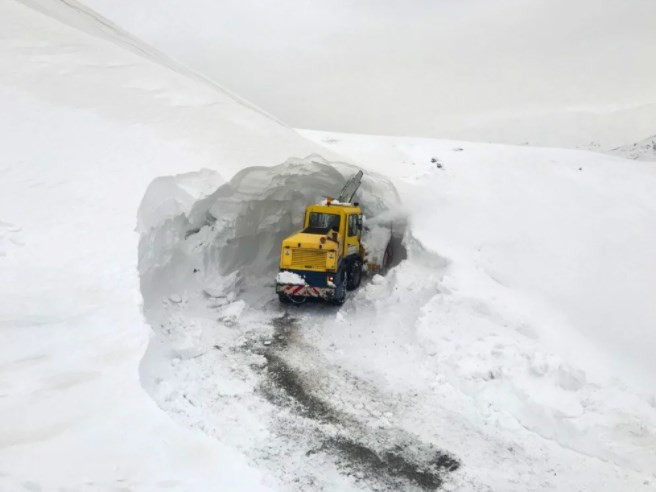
column 326, row 257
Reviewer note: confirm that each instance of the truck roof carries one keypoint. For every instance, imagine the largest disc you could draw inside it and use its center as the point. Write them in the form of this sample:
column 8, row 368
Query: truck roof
column 333, row 207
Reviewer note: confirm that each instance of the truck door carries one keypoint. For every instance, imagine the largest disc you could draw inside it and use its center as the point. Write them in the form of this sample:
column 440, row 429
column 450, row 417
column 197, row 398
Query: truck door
column 352, row 243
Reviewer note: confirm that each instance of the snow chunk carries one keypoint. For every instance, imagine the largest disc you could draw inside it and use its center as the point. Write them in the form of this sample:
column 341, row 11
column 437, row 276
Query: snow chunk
column 539, row 364
column 176, row 298
column 378, row 279
column 217, row 287
column 290, row 278
column 233, row 310
column 570, row 378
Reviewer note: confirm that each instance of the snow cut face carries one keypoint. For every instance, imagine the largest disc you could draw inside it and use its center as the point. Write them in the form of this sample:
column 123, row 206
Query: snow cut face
column 230, row 239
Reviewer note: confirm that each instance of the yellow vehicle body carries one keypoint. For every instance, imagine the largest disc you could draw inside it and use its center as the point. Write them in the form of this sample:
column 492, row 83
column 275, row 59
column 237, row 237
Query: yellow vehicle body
column 323, row 253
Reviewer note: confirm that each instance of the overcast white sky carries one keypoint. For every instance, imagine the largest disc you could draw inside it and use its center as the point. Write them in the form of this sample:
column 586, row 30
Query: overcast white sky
column 555, row 72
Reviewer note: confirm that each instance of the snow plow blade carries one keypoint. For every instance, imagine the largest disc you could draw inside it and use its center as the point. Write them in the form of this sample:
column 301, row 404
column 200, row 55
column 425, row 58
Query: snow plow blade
column 306, row 291
column 297, row 294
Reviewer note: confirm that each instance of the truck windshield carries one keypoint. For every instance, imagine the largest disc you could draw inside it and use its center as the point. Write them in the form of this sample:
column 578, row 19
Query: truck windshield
column 324, row 221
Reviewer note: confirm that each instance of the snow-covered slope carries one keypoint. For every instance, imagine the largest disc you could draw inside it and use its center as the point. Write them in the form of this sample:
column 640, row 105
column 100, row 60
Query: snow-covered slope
column 645, row 150
column 541, row 321
column 571, row 229
column 558, row 73
column 510, row 350
column 86, row 126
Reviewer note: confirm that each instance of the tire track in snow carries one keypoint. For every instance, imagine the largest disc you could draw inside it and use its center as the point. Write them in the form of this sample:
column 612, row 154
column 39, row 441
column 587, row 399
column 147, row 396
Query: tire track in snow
column 382, row 456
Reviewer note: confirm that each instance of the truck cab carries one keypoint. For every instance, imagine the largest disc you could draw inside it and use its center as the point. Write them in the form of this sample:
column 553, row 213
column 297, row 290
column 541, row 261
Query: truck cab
column 325, row 258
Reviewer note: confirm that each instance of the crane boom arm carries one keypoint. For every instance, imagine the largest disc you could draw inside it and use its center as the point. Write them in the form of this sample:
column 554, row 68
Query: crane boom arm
column 350, row 188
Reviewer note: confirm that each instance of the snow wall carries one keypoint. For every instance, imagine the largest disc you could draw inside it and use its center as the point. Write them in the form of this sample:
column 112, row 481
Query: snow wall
column 227, row 242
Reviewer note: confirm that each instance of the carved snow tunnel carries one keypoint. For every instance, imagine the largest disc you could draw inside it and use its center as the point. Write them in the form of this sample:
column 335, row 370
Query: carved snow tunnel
column 229, row 241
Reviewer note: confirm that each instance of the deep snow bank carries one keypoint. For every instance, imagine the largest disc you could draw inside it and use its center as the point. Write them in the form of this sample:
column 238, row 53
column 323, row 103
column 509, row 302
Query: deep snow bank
column 86, row 126
column 232, row 237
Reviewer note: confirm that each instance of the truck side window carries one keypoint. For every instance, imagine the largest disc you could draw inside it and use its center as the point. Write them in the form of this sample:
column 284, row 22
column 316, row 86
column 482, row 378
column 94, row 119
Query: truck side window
column 354, row 228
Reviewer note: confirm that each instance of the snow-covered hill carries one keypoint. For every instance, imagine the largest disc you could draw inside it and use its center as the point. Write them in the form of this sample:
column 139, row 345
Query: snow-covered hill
column 86, row 125
column 645, row 150
column 573, row 229
column 557, row 73
column 509, row 350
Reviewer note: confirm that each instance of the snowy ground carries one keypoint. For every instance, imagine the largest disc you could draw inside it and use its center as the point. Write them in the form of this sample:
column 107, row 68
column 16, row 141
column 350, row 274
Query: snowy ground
column 491, row 358
column 509, row 350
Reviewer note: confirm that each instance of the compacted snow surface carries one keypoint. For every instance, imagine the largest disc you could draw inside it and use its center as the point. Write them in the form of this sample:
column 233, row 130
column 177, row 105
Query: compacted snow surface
column 509, row 348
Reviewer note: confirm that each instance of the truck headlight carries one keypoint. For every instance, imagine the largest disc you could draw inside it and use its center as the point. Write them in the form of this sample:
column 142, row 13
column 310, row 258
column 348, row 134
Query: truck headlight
column 288, row 252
